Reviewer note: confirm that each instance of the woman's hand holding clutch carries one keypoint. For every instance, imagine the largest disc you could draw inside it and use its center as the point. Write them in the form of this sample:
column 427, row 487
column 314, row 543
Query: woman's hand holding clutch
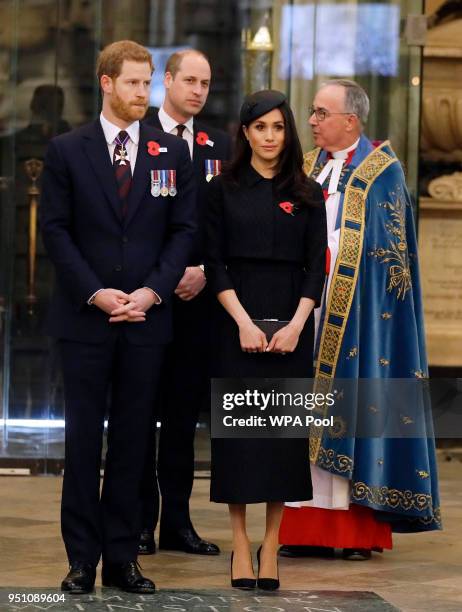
column 284, row 340
column 252, row 338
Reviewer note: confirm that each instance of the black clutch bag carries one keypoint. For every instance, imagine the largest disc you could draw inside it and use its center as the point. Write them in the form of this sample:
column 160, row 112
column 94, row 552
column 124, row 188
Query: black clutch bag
column 270, row 326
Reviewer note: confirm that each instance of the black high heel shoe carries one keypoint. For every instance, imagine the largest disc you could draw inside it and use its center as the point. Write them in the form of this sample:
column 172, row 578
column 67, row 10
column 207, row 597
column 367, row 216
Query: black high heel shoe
column 266, row 584
column 241, row 583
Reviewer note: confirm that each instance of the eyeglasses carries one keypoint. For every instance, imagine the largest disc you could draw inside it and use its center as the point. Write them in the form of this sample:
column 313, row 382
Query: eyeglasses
column 322, row 113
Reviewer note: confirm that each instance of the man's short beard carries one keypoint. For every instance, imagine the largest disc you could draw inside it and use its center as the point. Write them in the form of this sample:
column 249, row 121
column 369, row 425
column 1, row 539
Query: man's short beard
column 125, row 111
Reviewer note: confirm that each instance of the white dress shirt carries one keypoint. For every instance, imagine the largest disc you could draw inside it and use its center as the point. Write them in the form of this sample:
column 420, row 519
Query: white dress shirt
column 169, row 125
column 111, row 131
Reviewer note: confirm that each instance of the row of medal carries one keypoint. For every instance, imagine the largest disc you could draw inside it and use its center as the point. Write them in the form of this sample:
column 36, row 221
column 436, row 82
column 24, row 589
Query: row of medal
column 212, row 168
column 163, row 182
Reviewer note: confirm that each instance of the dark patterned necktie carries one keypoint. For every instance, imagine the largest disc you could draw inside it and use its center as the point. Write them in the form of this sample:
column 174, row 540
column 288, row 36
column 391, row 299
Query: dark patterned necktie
column 180, row 128
column 122, row 168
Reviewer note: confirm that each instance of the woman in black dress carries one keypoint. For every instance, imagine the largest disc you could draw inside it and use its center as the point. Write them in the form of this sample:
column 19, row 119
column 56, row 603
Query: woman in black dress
column 266, row 244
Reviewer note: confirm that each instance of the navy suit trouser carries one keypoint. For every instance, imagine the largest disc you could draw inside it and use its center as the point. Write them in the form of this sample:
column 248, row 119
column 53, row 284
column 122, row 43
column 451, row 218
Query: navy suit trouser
column 184, row 391
column 118, row 380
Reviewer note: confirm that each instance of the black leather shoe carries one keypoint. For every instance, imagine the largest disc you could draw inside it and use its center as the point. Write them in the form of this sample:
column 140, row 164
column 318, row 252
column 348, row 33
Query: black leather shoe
column 187, row 541
column 325, row 552
column 266, row 584
column 356, row 554
column 147, row 544
column 241, row 583
column 127, row 577
column 80, row 579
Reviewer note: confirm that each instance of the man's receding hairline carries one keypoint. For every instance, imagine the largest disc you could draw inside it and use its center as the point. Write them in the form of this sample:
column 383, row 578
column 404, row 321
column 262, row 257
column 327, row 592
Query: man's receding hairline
column 186, row 52
column 335, row 86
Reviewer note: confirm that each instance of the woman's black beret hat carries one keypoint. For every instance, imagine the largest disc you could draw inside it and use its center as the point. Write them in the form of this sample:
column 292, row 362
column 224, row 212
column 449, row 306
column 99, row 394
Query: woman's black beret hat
column 259, row 103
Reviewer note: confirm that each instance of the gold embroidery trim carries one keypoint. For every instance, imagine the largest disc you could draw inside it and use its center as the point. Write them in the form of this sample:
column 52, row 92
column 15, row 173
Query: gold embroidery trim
column 329, row 459
column 436, row 518
column 381, row 496
column 395, row 498
column 309, row 160
column 342, row 288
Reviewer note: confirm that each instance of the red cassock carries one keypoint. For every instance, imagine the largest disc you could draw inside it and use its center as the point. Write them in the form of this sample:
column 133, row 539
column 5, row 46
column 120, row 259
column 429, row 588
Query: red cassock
column 356, row 527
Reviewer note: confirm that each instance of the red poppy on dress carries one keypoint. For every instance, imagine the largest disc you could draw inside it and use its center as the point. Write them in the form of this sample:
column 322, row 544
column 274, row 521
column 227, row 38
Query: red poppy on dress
column 287, row 207
column 153, row 147
column 202, row 138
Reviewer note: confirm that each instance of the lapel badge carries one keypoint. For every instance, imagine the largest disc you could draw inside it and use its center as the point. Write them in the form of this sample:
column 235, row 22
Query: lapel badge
column 287, row 207
column 202, row 139
column 154, row 148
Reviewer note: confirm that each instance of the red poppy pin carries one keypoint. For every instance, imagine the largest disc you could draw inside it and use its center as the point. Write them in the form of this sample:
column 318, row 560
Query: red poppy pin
column 202, row 139
column 287, row 207
column 153, row 147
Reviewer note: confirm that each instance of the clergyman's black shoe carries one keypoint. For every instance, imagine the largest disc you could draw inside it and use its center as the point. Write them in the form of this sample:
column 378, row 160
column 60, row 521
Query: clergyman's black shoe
column 187, row 541
column 356, row 554
column 147, row 544
column 80, row 579
column 127, row 577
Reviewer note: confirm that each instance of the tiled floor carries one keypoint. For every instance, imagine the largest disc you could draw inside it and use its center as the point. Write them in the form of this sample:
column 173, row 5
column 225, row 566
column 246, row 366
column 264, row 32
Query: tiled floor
column 423, row 572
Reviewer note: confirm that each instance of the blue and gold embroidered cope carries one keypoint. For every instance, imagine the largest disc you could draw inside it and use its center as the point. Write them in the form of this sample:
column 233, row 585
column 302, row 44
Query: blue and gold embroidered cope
column 373, row 328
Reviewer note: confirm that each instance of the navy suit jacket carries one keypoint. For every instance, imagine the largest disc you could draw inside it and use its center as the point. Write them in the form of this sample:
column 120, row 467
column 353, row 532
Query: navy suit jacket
column 221, row 150
column 93, row 247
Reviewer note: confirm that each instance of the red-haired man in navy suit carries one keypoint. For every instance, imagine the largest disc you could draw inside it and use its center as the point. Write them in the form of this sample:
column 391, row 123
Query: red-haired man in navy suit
column 118, row 222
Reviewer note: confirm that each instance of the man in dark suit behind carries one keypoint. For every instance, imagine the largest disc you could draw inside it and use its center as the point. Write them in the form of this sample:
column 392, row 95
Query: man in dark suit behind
column 185, row 376
column 118, row 222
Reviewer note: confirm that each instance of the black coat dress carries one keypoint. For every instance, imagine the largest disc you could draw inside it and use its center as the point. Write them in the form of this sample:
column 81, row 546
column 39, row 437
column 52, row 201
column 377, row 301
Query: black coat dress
column 271, row 258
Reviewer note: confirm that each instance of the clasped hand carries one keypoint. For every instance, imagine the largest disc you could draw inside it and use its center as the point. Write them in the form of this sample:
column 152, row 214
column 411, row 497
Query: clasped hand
column 253, row 339
column 121, row 306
